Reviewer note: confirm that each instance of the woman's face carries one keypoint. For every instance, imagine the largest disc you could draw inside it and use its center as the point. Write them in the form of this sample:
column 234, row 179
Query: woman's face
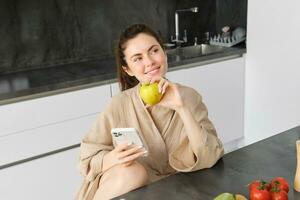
column 145, row 58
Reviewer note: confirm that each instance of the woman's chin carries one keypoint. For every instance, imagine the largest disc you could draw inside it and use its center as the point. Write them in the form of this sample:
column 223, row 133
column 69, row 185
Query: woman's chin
column 153, row 77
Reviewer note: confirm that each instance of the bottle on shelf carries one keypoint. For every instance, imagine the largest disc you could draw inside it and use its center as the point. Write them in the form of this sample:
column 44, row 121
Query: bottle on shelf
column 206, row 37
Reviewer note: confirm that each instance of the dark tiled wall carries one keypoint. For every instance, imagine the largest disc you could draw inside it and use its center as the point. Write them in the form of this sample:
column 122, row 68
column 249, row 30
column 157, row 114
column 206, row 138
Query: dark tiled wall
column 37, row 34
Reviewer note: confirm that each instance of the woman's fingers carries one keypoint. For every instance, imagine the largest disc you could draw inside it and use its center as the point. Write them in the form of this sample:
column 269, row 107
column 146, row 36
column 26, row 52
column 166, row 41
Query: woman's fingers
column 123, row 146
column 132, row 157
column 162, row 85
column 125, row 153
column 128, row 152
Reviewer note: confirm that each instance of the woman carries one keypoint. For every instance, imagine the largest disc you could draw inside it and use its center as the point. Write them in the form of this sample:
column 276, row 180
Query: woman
column 177, row 131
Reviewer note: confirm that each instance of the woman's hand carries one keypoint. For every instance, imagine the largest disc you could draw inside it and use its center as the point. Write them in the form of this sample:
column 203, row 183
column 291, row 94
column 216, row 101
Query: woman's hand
column 172, row 98
column 123, row 154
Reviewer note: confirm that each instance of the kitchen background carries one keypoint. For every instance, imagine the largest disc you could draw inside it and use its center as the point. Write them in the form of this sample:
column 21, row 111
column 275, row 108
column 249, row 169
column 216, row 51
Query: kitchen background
column 271, row 80
column 37, row 34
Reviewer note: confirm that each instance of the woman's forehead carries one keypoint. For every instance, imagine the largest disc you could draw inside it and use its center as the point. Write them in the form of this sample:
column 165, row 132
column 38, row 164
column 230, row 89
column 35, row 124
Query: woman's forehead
column 142, row 42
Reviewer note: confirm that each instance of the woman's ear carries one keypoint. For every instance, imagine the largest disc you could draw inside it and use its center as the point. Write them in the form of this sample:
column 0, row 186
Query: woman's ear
column 127, row 70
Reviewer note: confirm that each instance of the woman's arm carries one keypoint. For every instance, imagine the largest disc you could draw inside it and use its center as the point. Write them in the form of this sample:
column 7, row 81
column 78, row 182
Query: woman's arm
column 97, row 153
column 201, row 147
column 191, row 127
column 123, row 154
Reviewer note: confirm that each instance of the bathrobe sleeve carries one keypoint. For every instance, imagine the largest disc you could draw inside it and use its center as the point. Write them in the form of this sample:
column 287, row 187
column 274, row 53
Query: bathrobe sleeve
column 210, row 148
column 96, row 143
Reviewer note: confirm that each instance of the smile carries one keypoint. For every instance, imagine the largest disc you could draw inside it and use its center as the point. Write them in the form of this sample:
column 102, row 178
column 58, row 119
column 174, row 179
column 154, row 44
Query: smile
column 153, row 71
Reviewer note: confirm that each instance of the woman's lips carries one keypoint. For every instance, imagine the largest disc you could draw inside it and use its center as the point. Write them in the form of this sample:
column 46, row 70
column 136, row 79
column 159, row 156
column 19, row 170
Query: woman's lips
column 153, row 72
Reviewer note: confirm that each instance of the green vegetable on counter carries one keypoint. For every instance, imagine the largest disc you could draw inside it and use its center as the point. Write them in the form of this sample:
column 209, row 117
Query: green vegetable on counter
column 225, row 196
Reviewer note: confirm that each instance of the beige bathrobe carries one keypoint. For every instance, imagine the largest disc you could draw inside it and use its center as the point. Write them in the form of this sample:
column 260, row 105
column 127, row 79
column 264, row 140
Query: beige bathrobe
column 163, row 131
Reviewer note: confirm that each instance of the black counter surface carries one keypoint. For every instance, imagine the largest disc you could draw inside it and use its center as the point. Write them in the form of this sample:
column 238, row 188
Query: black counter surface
column 266, row 159
column 68, row 77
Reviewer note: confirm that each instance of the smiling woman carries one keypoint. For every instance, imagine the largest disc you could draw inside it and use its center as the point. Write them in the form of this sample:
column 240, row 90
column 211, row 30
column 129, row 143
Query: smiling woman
column 176, row 130
column 146, row 60
column 149, row 49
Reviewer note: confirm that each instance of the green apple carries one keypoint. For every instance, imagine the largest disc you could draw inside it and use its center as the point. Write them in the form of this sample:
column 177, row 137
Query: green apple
column 149, row 93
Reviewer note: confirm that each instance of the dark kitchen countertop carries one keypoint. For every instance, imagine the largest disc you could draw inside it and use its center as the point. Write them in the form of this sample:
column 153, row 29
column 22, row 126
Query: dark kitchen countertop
column 31, row 84
column 266, row 159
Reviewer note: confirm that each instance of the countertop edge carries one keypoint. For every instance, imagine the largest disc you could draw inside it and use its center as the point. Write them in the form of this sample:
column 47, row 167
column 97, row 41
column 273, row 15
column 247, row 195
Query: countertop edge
column 191, row 63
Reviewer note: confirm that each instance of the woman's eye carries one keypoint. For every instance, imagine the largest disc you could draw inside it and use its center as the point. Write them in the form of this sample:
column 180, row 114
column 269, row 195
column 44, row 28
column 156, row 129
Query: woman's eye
column 137, row 59
column 154, row 50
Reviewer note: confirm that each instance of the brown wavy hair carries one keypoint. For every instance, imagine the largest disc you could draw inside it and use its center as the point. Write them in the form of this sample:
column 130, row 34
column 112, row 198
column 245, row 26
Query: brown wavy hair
column 126, row 81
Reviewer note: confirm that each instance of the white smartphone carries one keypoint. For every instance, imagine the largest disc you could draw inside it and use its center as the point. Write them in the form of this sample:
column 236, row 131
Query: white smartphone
column 121, row 135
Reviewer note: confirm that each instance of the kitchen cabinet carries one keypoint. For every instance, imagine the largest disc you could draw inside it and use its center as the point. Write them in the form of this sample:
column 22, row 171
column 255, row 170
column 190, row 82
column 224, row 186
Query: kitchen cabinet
column 221, row 85
column 114, row 88
column 48, row 178
column 45, row 124
column 49, row 110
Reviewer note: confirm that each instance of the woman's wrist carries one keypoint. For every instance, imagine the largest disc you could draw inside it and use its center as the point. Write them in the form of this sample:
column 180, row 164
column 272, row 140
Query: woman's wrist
column 105, row 163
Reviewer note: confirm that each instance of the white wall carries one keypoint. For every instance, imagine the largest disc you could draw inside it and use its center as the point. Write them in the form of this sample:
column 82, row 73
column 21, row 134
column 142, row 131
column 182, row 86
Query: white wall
column 272, row 68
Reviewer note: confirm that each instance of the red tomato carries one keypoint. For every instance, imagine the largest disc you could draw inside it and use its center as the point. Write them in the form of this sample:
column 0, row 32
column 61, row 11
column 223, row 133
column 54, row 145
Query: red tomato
column 260, row 194
column 254, row 184
column 259, row 184
column 279, row 195
column 280, row 183
column 268, row 186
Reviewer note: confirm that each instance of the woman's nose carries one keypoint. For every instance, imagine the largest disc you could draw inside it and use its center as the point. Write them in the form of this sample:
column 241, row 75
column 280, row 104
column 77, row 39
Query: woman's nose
column 148, row 60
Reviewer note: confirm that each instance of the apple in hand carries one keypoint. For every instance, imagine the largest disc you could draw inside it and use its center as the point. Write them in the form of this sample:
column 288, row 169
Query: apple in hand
column 149, row 93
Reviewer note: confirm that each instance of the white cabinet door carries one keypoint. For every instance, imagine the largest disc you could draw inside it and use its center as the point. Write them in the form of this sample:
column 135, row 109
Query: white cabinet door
column 48, row 178
column 44, row 139
column 221, row 85
column 38, row 126
column 25, row 115
column 115, row 89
